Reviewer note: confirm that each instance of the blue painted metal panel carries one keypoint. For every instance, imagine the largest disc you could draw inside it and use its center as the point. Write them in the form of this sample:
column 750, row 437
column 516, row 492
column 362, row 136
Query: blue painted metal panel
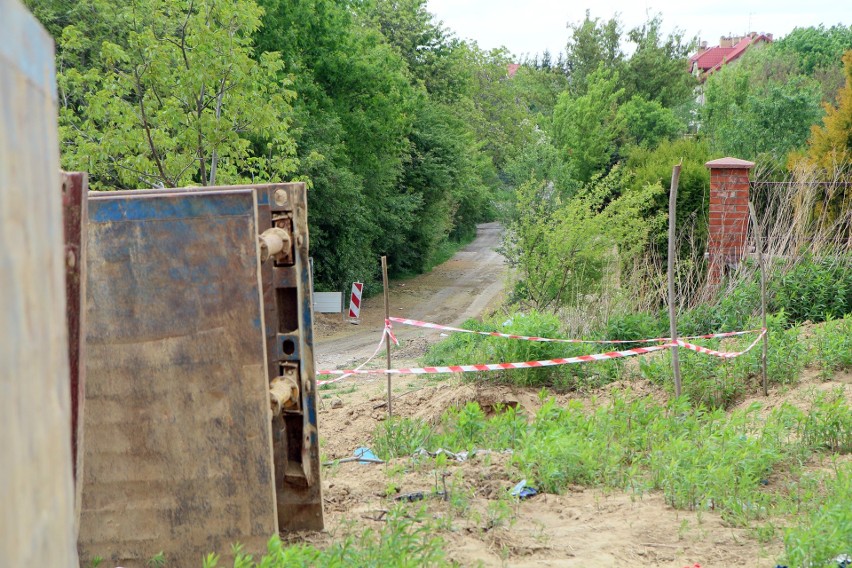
column 177, row 431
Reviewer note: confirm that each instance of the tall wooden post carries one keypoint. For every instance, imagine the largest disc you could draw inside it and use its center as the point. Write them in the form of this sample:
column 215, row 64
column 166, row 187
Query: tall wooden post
column 759, row 244
column 387, row 335
column 671, row 278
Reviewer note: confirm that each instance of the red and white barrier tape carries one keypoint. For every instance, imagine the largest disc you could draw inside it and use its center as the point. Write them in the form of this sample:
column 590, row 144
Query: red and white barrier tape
column 722, row 354
column 498, row 366
column 386, row 332
column 551, row 340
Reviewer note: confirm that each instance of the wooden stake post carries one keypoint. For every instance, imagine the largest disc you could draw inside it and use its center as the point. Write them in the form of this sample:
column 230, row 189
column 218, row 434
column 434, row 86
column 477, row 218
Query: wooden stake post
column 387, row 335
column 672, row 306
column 758, row 237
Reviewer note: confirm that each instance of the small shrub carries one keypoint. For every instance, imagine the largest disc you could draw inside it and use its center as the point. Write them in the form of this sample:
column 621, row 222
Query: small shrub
column 400, row 437
column 406, row 540
column 826, row 532
column 730, row 313
column 719, row 383
column 814, row 289
column 463, row 429
column 640, row 325
column 832, row 344
column 828, row 425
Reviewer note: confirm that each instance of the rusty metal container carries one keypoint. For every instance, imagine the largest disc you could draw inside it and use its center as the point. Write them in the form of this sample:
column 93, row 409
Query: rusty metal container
column 190, row 317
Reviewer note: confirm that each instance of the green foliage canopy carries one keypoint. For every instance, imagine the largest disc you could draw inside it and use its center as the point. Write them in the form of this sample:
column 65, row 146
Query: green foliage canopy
column 173, row 97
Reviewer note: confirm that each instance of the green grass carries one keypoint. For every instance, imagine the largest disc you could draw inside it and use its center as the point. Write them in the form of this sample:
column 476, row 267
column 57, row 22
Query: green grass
column 709, row 381
column 407, row 539
column 720, row 383
column 825, row 532
column 465, row 348
column 831, row 345
column 698, row 458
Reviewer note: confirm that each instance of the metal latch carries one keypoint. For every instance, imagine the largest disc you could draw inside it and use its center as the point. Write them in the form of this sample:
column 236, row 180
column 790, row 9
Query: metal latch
column 274, row 242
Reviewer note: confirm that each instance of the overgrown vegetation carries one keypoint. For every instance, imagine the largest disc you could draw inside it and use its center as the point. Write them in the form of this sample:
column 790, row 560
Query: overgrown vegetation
column 747, row 464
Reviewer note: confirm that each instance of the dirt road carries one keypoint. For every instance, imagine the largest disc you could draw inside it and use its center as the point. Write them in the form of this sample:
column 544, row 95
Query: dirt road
column 459, row 289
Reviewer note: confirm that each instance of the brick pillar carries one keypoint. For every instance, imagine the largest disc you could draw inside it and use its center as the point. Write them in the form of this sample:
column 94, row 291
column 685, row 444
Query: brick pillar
column 729, row 194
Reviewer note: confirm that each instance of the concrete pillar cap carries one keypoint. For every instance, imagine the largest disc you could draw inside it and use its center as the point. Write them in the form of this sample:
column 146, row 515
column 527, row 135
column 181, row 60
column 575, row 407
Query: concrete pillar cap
column 729, row 163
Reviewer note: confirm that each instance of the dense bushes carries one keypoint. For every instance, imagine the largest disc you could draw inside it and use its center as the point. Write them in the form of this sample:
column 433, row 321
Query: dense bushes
column 815, row 289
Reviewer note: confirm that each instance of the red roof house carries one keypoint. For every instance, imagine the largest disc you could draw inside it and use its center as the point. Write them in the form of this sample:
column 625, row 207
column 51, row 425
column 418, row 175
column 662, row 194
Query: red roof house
column 709, row 60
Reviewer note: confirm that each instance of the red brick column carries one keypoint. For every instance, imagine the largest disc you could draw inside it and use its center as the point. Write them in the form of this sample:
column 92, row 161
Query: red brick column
column 729, row 194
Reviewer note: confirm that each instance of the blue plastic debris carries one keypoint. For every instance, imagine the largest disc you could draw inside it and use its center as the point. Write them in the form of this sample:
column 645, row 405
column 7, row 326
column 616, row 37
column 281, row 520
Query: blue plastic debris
column 366, row 455
column 523, row 491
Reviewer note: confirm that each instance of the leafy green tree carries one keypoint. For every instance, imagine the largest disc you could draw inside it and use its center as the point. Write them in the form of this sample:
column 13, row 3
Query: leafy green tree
column 556, row 247
column 586, row 127
column 829, row 157
column 830, row 145
column 647, row 123
column 389, row 129
column 352, row 126
column 538, row 88
column 173, row 97
column 429, row 50
column 760, row 106
column 819, row 51
column 628, row 215
column 652, row 166
column 817, row 46
column 655, row 70
column 542, row 161
column 593, row 43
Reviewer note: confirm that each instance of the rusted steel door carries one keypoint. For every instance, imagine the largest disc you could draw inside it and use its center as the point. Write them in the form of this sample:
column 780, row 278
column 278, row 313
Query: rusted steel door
column 188, row 323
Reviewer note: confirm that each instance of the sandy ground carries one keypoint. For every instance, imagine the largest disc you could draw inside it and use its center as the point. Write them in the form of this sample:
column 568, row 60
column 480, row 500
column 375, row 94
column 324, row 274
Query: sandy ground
column 584, row 527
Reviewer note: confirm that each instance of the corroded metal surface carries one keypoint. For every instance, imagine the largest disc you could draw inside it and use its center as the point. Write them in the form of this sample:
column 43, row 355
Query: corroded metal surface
column 75, row 186
column 36, row 493
column 178, row 451
column 288, row 321
column 287, row 293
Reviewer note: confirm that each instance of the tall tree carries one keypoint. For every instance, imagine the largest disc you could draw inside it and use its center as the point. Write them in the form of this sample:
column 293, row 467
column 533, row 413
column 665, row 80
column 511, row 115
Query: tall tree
column 830, row 145
column 819, row 51
column 174, row 97
column 587, row 127
column 655, row 70
column 760, row 106
column 593, row 43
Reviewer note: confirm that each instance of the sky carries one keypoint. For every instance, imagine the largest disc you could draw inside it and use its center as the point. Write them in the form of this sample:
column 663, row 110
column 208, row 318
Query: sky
column 531, row 26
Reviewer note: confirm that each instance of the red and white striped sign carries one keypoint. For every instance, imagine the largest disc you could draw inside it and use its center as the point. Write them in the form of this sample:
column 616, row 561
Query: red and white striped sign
column 355, row 300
